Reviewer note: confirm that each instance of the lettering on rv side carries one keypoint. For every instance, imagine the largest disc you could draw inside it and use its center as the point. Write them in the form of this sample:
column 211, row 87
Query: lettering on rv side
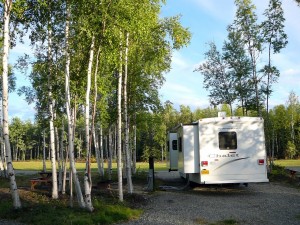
column 227, row 155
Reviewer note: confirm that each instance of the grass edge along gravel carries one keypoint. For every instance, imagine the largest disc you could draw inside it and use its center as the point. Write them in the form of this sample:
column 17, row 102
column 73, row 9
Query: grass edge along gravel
column 39, row 208
column 53, row 213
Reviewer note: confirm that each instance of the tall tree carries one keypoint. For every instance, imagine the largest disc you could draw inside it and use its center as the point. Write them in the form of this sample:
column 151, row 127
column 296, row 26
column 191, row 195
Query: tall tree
column 246, row 23
column 51, row 109
column 275, row 38
column 8, row 4
column 217, row 80
column 126, row 117
column 239, row 66
column 119, row 123
column 70, row 111
column 87, row 176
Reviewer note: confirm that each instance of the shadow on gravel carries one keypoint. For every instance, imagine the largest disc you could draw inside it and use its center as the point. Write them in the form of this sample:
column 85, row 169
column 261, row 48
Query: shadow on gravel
column 220, row 190
column 171, row 182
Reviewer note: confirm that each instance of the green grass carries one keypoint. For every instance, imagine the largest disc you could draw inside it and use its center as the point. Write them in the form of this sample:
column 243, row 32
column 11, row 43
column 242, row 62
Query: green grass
column 288, row 162
column 280, row 174
column 53, row 212
column 38, row 165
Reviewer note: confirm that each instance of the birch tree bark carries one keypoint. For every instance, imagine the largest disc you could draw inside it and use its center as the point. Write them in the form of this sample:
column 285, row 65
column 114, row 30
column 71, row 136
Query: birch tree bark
column 3, row 171
column 97, row 152
column 87, row 176
column 134, row 148
column 51, row 112
column 101, row 152
column 10, row 169
column 127, row 150
column 44, row 152
column 62, row 178
column 95, row 138
column 70, row 117
column 110, row 151
column 119, row 142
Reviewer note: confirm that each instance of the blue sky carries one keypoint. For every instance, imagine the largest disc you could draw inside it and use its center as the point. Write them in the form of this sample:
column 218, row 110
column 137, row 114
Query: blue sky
column 207, row 21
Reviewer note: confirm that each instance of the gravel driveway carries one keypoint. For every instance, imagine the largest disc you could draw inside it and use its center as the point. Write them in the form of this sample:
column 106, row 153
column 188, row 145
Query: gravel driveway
column 264, row 203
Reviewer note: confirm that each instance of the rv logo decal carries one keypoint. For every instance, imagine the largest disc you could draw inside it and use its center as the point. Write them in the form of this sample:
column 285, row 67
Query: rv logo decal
column 227, row 155
column 231, row 161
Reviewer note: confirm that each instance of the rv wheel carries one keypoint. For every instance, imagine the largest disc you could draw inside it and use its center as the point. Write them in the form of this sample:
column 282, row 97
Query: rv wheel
column 245, row 184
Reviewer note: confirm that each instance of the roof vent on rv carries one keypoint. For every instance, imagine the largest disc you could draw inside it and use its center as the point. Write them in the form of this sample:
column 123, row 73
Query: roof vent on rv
column 222, row 114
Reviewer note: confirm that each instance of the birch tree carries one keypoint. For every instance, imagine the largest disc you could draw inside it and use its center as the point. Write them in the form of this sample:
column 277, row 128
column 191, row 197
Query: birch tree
column 119, row 123
column 87, row 176
column 70, row 113
column 217, row 80
column 51, row 113
column 275, row 38
column 246, row 23
column 239, row 66
column 6, row 40
column 127, row 150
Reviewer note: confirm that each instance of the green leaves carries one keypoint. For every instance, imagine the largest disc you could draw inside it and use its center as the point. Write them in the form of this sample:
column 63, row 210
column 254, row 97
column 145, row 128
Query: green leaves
column 179, row 35
column 218, row 80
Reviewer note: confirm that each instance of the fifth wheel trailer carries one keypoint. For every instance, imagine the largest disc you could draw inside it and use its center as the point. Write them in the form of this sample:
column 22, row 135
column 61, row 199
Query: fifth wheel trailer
column 222, row 150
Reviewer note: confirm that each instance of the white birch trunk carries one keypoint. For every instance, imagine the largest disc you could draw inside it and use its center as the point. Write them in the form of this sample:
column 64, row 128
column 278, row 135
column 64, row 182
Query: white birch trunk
column 101, row 152
column 134, row 149
column 127, row 150
column 95, row 137
column 73, row 173
column 63, row 191
column 97, row 152
column 10, row 169
column 87, row 176
column 110, row 151
column 119, row 142
column 44, row 152
column 51, row 119
column 2, row 149
column 61, row 165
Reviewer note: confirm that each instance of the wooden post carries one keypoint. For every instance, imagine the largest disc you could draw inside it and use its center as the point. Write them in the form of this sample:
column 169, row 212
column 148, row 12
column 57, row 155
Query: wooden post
column 151, row 175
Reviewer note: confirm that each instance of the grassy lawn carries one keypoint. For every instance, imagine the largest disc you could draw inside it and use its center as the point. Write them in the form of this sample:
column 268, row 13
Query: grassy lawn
column 288, row 162
column 38, row 165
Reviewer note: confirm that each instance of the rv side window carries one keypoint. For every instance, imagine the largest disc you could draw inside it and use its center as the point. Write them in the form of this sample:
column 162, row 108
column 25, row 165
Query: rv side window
column 174, row 144
column 180, row 144
column 168, row 146
column 227, row 140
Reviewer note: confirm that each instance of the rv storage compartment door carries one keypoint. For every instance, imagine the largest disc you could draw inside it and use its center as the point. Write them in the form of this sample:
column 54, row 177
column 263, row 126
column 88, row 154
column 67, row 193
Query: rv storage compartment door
column 190, row 148
column 172, row 151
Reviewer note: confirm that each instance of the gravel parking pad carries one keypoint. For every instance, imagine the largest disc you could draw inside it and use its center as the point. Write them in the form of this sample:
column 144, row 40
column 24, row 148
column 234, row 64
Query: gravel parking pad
column 264, row 203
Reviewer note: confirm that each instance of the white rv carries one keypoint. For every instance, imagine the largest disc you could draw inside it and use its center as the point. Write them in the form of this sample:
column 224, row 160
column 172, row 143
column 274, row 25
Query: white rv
column 223, row 150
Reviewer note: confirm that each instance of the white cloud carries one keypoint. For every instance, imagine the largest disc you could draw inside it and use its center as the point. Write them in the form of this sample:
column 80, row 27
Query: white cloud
column 178, row 61
column 21, row 110
column 216, row 9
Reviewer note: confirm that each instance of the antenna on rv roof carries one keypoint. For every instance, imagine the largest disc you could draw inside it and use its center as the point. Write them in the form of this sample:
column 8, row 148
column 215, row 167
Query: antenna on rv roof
column 222, row 114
